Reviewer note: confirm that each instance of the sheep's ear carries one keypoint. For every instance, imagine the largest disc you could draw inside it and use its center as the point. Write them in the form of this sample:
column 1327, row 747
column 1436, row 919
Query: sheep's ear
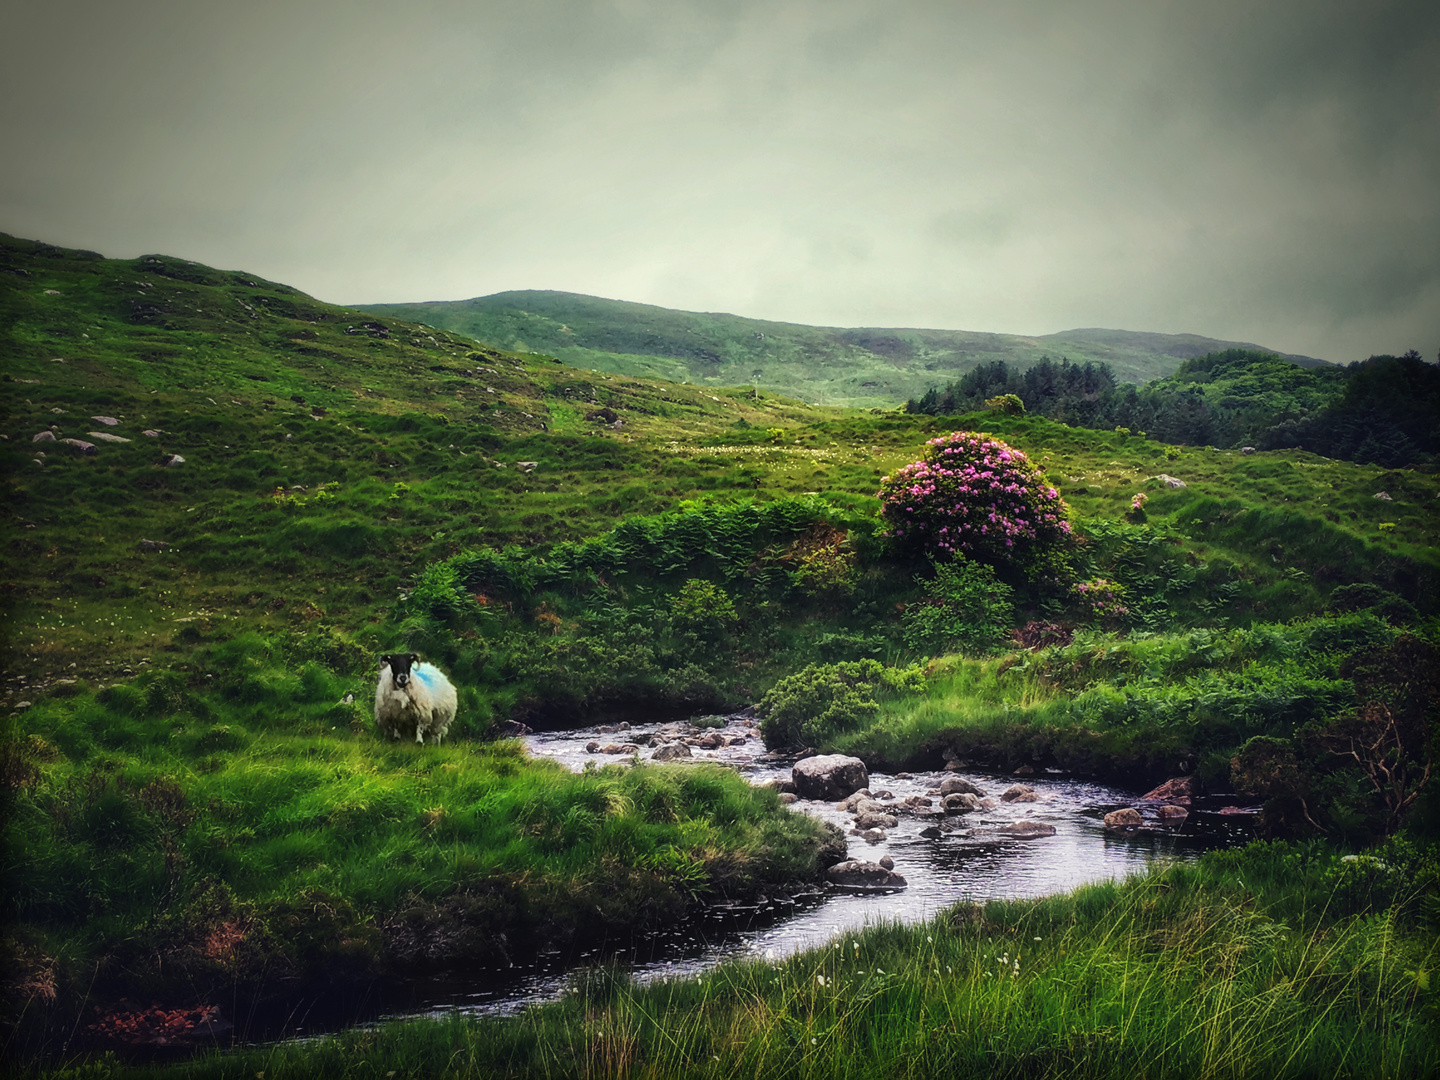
column 414, row 658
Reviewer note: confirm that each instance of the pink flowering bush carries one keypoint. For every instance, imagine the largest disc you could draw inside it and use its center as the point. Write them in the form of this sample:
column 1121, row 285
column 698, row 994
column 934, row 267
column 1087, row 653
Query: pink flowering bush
column 1136, row 514
column 1104, row 598
column 975, row 496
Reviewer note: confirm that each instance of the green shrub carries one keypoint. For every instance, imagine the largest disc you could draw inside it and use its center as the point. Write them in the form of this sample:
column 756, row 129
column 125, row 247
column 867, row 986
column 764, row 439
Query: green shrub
column 1009, row 404
column 823, row 700
column 964, row 609
column 702, row 608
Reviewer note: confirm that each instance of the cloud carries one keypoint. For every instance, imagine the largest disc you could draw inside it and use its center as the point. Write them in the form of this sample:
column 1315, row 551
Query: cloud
column 1264, row 172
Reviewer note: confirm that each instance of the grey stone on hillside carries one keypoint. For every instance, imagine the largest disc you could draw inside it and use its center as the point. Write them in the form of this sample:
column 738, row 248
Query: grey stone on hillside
column 829, row 776
column 171, row 460
column 154, row 545
column 105, row 436
column 43, row 436
column 671, row 751
column 1383, row 496
column 108, row 421
column 1171, row 481
column 81, row 445
column 1027, row 829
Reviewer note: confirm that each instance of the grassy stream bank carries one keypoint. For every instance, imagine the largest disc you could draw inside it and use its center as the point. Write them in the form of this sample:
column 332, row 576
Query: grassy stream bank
column 1275, row 960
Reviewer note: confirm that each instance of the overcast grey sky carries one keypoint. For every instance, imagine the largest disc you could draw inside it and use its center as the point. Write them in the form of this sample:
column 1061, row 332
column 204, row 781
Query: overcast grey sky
column 1262, row 171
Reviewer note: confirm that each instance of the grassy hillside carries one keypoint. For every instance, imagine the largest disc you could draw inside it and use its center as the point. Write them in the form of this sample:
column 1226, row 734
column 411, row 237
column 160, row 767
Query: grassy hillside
column 197, row 808
column 858, row 367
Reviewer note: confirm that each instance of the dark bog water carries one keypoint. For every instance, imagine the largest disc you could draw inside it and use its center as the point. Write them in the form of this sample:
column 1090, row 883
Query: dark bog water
column 968, row 860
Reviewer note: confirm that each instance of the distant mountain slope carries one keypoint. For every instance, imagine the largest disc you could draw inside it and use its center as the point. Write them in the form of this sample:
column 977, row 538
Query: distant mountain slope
column 830, row 365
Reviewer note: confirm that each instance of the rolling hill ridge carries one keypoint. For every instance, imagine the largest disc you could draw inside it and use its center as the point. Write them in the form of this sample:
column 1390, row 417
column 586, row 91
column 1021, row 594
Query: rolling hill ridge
column 826, row 365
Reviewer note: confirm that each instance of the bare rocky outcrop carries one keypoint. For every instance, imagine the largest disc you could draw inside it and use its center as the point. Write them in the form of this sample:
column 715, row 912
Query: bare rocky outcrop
column 829, row 776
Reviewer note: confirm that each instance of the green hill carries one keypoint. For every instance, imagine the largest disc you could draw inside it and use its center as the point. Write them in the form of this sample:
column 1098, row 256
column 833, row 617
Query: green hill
column 861, row 367
column 264, row 493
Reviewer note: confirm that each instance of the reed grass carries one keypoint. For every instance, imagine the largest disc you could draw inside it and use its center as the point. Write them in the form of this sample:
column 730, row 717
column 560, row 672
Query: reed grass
column 1248, row 963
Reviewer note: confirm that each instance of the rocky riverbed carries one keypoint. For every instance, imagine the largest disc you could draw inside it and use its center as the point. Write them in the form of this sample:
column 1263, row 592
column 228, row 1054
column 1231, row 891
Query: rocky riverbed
column 917, row 843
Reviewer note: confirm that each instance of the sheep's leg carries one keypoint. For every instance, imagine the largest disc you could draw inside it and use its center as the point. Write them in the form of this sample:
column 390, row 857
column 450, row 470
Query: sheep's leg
column 419, row 735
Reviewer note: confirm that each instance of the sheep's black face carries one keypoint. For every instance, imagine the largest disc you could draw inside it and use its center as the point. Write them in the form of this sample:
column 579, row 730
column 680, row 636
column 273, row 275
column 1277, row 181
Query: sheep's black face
column 399, row 665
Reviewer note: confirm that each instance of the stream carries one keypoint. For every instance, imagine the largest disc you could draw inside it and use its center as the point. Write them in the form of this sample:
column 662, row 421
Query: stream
column 967, row 860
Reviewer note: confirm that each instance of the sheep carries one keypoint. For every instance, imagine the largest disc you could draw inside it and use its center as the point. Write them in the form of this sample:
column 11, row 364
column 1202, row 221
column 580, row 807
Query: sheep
column 413, row 696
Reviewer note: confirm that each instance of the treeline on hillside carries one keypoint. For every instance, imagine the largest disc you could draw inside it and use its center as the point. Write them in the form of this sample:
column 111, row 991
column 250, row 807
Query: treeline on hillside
column 1383, row 411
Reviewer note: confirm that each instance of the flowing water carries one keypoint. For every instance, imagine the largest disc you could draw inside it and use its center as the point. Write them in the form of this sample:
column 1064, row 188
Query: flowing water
column 943, row 859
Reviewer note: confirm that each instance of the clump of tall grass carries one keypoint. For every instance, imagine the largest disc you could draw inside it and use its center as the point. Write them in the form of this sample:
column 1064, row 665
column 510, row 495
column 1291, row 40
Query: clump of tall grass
column 1254, row 962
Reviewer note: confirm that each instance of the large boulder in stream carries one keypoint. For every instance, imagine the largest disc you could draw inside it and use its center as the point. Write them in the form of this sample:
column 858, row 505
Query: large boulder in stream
column 671, row 751
column 856, row 874
column 958, row 785
column 1027, row 829
column 1128, row 818
column 1179, row 791
column 829, row 776
column 960, row 802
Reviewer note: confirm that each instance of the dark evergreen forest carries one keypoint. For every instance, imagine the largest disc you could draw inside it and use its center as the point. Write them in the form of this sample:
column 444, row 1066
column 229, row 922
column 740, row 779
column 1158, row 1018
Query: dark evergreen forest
column 1383, row 411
